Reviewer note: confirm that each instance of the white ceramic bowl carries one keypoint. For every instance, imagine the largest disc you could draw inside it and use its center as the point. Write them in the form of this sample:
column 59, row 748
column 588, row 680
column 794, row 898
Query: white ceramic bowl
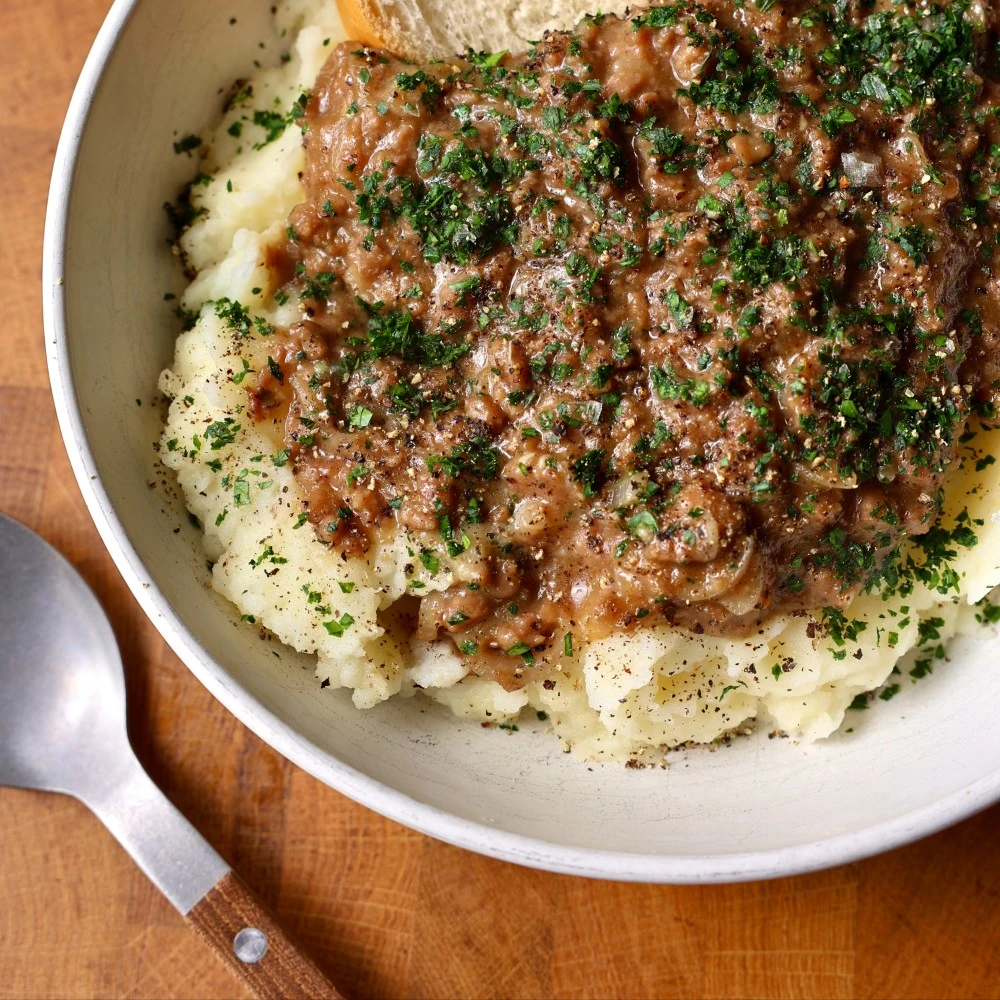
column 755, row 809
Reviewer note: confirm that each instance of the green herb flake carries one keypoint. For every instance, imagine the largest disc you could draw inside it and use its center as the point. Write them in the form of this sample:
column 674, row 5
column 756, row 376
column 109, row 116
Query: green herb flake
column 339, row 626
column 359, row 417
column 188, row 144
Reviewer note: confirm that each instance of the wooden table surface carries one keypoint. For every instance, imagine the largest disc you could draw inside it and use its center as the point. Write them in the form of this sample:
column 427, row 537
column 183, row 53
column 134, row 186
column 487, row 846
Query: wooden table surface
column 385, row 911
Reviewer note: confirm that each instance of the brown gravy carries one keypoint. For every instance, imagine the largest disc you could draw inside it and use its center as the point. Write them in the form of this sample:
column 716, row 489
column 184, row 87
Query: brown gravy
column 674, row 318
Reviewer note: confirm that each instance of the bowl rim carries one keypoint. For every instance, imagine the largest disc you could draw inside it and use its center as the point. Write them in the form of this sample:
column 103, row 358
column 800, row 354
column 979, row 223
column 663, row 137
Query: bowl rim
column 430, row 820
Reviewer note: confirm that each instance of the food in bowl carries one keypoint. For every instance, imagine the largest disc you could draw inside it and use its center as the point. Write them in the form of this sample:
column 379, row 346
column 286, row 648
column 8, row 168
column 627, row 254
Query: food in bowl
column 643, row 381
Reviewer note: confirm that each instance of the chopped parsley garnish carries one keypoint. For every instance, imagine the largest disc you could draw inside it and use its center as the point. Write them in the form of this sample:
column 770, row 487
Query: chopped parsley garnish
column 338, row 626
column 588, row 471
column 359, row 418
column 477, row 458
column 222, row 433
column 398, row 334
column 188, row 144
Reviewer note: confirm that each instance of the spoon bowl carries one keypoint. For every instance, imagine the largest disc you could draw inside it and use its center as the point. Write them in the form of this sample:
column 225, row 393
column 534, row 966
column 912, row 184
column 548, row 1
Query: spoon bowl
column 62, row 690
column 62, row 716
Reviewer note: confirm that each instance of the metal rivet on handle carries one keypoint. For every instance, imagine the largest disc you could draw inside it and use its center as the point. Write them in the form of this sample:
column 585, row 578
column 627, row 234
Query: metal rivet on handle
column 250, row 945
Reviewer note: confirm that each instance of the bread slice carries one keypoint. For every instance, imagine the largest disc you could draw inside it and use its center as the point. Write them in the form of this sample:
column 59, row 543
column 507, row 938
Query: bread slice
column 436, row 29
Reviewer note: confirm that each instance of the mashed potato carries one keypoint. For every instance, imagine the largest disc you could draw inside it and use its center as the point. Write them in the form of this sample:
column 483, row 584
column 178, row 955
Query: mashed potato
column 628, row 694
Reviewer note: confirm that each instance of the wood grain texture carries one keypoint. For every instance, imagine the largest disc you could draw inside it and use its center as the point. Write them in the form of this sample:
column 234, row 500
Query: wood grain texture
column 384, row 911
column 274, row 966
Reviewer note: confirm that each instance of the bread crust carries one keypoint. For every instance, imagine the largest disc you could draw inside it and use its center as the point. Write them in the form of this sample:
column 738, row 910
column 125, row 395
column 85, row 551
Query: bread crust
column 366, row 21
column 414, row 30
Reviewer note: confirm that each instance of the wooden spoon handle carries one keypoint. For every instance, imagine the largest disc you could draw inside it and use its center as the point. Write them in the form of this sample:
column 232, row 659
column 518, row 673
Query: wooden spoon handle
column 248, row 939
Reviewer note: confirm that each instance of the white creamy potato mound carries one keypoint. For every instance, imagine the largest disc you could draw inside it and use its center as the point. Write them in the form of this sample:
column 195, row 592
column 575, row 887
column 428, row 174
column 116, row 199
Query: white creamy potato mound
column 629, row 694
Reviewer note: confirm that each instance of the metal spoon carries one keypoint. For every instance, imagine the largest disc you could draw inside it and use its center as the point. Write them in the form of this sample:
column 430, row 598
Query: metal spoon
column 62, row 729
